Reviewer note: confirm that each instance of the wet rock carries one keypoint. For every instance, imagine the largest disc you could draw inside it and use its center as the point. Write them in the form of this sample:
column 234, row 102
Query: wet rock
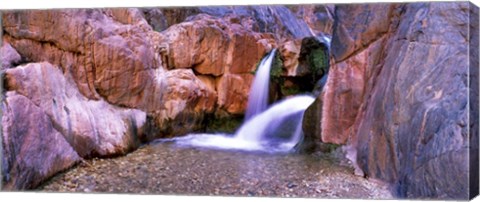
column 74, row 116
column 33, row 150
column 187, row 101
column 312, row 122
column 219, row 173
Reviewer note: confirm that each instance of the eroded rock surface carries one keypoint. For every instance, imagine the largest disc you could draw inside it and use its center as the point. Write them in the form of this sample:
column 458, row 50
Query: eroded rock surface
column 8, row 56
column 398, row 93
column 33, row 150
column 91, row 127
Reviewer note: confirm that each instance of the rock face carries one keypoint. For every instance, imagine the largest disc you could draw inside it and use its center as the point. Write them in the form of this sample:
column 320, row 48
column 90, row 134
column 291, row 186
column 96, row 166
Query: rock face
column 74, row 116
column 33, row 150
column 281, row 21
column 223, row 52
column 186, row 100
column 213, row 46
column 9, row 56
column 107, row 57
column 397, row 93
column 105, row 80
column 319, row 18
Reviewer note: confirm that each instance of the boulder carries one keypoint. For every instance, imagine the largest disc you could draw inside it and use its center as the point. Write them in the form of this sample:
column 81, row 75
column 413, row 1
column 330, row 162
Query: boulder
column 186, row 103
column 109, row 52
column 91, row 127
column 33, row 150
column 290, row 52
column 112, row 55
column 9, row 56
column 233, row 91
column 214, row 46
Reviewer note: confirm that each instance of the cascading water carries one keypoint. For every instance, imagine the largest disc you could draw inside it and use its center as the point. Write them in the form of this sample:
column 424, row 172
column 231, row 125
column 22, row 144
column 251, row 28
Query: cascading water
column 276, row 129
column 258, row 97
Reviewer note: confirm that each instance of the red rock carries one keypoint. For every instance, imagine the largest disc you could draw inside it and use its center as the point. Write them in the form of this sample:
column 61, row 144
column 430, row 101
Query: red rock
column 290, row 52
column 213, row 46
column 233, row 90
column 352, row 33
column 112, row 55
column 186, row 101
column 74, row 116
column 33, row 150
column 398, row 92
column 107, row 57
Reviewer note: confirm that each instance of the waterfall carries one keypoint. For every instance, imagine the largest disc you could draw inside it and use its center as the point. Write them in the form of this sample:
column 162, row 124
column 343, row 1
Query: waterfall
column 276, row 129
column 258, row 97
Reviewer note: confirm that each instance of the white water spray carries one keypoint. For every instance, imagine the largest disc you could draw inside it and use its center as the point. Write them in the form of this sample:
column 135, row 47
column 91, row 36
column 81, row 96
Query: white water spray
column 276, row 129
column 258, row 97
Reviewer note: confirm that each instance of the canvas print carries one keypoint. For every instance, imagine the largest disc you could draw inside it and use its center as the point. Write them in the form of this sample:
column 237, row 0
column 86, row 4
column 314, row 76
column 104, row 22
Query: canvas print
column 358, row 101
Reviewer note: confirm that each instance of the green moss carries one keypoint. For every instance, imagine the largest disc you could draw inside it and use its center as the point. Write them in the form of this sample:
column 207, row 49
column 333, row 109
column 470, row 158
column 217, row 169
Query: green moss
column 225, row 125
column 286, row 91
column 318, row 60
column 276, row 71
column 330, row 147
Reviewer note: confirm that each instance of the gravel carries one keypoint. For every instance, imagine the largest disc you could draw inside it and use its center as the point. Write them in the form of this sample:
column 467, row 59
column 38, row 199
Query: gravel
column 168, row 169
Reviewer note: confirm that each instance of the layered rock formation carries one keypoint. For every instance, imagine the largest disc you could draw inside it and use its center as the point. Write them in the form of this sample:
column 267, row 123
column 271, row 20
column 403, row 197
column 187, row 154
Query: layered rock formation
column 98, row 82
column 397, row 94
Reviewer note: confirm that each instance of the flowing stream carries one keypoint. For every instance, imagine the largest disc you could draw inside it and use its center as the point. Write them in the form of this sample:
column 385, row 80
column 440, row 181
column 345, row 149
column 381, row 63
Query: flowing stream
column 274, row 129
column 254, row 161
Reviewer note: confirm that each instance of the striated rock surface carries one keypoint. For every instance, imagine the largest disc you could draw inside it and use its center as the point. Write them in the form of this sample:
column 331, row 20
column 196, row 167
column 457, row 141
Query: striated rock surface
column 33, row 150
column 279, row 20
column 107, row 80
column 91, row 127
column 319, row 18
column 357, row 26
column 186, row 102
column 213, row 46
column 233, row 92
column 223, row 52
column 397, row 93
column 106, row 50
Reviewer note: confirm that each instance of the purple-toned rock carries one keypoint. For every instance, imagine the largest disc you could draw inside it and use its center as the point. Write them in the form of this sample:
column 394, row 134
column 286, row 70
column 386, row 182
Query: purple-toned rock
column 397, row 94
column 33, row 150
column 9, row 57
column 91, row 127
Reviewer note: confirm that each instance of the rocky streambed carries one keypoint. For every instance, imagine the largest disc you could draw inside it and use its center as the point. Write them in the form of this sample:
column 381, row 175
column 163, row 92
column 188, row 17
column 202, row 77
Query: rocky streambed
column 166, row 168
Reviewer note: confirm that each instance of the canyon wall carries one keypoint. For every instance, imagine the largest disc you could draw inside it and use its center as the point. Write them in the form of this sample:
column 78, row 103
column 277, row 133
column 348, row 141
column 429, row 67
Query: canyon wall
column 401, row 93
column 398, row 95
column 99, row 82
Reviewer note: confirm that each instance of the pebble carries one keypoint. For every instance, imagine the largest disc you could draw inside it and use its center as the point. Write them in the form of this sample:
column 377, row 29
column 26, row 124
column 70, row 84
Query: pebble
column 164, row 168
